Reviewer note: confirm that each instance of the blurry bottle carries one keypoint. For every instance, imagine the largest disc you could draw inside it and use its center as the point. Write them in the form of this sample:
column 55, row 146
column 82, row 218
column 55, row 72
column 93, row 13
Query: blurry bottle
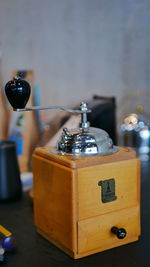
column 135, row 132
column 4, row 113
column 4, row 116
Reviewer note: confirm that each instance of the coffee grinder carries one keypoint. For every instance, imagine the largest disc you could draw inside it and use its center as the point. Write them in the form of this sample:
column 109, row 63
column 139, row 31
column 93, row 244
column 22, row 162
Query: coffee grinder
column 86, row 190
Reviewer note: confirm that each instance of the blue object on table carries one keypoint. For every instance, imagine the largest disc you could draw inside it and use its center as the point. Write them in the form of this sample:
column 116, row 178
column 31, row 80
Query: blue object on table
column 8, row 243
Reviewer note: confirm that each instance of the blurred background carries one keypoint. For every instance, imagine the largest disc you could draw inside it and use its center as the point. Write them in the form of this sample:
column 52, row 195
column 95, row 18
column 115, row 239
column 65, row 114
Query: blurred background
column 78, row 49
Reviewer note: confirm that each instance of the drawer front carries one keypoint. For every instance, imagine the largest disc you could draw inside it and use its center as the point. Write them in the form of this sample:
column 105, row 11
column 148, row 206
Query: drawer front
column 95, row 233
column 122, row 180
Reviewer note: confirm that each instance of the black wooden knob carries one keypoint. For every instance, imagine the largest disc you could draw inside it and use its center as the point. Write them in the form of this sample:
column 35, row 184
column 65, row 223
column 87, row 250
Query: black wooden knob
column 119, row 232
column 18, row 92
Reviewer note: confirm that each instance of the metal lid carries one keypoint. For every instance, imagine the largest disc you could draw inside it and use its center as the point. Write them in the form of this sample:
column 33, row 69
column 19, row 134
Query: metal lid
column 83, row 143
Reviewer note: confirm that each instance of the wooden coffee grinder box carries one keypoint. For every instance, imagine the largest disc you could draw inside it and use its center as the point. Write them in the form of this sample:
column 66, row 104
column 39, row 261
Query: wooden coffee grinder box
column 86, row 193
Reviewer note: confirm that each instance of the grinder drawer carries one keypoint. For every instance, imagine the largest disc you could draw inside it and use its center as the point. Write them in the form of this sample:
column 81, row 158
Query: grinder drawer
column 95, row 233
column 108, row 187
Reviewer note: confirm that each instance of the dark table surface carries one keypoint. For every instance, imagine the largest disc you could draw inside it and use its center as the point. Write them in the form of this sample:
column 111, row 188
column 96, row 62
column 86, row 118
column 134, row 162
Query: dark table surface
column 33, row 250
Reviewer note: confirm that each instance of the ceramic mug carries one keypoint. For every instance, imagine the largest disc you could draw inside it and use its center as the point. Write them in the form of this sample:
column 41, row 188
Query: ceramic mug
column 10, row 183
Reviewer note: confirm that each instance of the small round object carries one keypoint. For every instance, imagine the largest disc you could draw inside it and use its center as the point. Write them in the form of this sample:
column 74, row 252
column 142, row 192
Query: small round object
column 18, row 93
column 119, row 232
column 8, row 243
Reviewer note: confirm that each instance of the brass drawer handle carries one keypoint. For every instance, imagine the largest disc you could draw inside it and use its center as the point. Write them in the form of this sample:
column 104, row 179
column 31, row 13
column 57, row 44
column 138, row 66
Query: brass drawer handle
column 119, row 232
